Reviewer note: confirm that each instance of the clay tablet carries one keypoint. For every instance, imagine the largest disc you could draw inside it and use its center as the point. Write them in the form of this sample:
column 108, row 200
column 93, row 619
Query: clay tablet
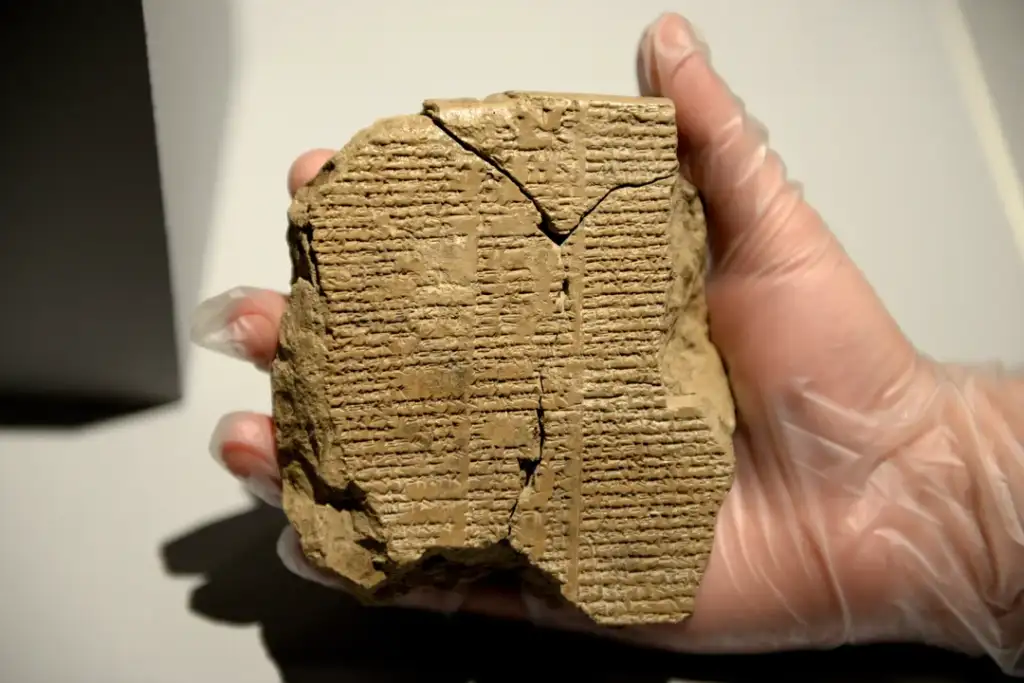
column 496, row 357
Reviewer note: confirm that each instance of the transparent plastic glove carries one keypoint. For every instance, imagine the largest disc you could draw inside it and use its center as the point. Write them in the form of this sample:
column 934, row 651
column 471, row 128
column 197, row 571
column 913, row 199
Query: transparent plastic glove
column 878, row 494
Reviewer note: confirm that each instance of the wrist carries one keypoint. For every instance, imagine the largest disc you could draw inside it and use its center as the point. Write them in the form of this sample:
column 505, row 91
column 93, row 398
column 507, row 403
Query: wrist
column 960, row 544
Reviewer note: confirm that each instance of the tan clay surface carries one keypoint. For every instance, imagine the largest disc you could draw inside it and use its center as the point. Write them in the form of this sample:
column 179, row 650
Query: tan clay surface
column 496, row 357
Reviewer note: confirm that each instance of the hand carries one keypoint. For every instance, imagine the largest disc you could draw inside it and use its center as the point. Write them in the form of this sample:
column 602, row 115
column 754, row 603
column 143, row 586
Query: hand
column 877, row 493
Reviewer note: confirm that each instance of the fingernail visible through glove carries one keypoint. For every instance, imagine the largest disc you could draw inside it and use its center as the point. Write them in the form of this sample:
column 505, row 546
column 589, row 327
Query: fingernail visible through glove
column 289, row 550
column 667, row 43
column 244, row 444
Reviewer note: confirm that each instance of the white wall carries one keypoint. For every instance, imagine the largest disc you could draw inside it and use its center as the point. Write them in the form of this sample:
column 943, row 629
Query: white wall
column 866, row 99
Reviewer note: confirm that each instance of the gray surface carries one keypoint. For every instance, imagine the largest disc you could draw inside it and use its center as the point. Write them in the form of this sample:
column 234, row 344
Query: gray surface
column 996, row 27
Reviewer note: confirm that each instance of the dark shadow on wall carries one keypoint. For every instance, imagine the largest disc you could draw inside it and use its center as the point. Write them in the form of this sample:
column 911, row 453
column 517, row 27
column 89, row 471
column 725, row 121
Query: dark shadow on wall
column 315, row 635
column 20, row 411
column 87, row 248
column 191, row 56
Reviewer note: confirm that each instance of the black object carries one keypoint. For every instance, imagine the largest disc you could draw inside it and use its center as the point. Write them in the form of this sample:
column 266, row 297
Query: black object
column 86, row 307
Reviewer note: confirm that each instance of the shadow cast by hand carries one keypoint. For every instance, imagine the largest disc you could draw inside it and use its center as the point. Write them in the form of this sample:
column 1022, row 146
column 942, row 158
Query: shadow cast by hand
column 316, row 635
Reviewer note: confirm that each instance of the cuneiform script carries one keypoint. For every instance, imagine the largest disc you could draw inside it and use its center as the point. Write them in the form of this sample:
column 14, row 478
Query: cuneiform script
column 496, row 356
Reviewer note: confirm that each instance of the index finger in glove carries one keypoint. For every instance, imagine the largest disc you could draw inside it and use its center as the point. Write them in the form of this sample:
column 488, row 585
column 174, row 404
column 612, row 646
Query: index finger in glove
column 244, row 322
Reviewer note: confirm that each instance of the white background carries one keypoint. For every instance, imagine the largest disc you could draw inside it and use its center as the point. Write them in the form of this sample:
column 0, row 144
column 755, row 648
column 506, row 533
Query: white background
column 878, row 106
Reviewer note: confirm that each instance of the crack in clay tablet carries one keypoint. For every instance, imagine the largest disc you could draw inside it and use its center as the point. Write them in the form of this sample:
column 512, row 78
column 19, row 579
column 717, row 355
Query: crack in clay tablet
column 495, row 358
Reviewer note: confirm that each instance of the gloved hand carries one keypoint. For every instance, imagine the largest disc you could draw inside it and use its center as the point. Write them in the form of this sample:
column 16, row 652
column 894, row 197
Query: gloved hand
column 878, row 494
